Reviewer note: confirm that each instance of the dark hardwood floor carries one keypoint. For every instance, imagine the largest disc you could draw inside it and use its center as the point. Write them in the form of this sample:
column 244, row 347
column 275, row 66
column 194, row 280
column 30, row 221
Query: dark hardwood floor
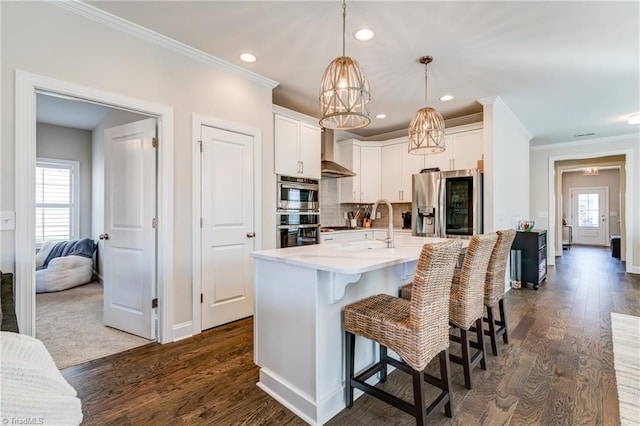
column 557, row 369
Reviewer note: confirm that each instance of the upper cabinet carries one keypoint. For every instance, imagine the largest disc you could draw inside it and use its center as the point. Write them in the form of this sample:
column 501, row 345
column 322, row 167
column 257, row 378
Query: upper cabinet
column 364, row 161
column 297, row 147
column 397, row 167
column 463, row 149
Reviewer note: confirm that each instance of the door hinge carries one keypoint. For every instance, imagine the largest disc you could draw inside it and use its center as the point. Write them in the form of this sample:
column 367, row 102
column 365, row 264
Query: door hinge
column 154, row 303
column 154, row 142
column 201, row 298
column 154, row 222
column 200, row 142
column 201, row 222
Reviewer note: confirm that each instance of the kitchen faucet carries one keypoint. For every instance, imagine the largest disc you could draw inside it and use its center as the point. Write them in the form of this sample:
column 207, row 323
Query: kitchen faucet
column 389, row 239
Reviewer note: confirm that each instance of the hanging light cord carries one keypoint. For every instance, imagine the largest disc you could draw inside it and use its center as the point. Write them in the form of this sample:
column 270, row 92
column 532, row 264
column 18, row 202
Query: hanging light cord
column 426, row 99
column 344, row 24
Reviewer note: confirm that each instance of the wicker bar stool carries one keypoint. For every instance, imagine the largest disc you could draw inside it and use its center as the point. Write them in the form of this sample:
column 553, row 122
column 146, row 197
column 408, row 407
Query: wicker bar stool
column 416, row 330
column 467, row 307
column 494, row 288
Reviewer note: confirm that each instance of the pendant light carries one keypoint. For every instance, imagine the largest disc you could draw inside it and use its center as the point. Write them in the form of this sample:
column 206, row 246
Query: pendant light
column 344, row 91
column 426, row 131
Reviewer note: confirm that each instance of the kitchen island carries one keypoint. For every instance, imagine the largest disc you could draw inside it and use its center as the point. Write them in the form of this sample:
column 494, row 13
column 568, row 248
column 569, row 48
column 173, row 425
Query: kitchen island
column 299, row 296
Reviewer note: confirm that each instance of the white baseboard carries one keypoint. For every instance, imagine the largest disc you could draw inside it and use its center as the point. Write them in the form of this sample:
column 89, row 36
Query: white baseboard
column 182, row 331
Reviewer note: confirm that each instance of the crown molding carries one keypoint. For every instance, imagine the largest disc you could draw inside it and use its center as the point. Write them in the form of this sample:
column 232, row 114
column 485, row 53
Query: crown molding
column 594, row 141
column 497, row 100
column 120, row 24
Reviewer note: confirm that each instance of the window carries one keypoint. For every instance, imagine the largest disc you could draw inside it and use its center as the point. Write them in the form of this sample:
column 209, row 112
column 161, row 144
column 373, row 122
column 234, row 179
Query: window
column 57, row 200
column 588, row 212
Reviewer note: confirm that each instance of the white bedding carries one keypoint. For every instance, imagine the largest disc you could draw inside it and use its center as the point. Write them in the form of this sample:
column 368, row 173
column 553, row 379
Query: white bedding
column 32, row 388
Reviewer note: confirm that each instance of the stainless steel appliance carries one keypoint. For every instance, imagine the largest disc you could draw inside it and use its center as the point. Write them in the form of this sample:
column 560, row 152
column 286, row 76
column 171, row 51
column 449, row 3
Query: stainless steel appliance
column 298, row 212
column 447, row 204
column 298, row 229
column 298, row 194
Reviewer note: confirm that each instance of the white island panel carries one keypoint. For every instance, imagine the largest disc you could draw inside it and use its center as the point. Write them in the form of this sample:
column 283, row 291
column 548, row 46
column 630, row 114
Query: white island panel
column 298, row 317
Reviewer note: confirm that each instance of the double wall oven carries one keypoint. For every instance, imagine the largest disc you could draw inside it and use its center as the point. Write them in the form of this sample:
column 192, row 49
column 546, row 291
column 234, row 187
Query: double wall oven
column 298, row 212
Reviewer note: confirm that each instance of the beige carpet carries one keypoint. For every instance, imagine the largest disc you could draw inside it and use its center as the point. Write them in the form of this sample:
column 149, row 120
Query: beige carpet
column 69, row 323
column 625, row 330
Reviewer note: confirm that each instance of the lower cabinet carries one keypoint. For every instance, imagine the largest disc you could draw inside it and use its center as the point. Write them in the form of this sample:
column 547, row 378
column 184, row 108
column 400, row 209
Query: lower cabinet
column 531, row 250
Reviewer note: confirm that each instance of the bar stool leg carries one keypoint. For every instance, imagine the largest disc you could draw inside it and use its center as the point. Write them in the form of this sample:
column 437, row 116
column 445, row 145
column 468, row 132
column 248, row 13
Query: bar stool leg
column 419, row 397
column 466, row 358
column 349, row 348
column 480, row 337
column 492, row 331
column 445, row 374
column 383, row 372
column 503, row 321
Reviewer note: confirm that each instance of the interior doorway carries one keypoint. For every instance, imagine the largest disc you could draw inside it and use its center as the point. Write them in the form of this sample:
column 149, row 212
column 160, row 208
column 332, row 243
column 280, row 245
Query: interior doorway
column 590, row 215
column 615, row 163
column 28, row 85
column 74, row 319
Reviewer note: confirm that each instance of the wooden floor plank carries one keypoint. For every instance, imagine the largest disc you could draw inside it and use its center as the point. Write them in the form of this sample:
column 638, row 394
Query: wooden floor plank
column 557, row 368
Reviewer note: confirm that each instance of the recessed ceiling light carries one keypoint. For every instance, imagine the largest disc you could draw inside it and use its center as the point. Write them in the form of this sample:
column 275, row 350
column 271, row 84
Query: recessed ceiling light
column 248, row 57
column 381, row 116
column 363, row 34
column 634, row 119
column 446, row 98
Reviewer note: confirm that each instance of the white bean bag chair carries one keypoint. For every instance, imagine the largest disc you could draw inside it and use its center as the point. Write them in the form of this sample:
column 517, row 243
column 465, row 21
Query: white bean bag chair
column 62, row 272
column 33, row 390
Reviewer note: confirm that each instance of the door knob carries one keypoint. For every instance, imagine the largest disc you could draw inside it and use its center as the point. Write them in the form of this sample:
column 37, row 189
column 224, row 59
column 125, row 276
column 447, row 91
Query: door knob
column 104, row 236
column 251, row 234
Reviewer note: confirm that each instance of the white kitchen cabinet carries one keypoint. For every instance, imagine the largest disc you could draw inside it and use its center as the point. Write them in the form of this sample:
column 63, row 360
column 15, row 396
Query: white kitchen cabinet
column 297, row 147
column 370, row 174
column 349, row 157
column 364, row 161
column 397, row 167
column 463, row 149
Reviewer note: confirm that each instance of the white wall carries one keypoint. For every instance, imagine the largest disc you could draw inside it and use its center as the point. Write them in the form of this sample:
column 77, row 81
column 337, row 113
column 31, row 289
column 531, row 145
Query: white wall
column 543, row 159
column 63, row 143
column 48, row 40
column 506, row 167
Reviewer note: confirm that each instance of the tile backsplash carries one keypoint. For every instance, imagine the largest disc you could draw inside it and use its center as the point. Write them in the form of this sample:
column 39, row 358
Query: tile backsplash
column 332, row 212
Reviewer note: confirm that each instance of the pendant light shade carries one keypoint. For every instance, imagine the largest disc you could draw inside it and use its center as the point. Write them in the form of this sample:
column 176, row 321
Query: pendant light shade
column 426, row 130
column 344, row 92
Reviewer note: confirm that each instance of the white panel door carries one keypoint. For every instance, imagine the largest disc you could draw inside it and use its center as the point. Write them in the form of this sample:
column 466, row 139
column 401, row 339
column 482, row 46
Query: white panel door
column 227, row 226
column 589, row 214
column 129, row 240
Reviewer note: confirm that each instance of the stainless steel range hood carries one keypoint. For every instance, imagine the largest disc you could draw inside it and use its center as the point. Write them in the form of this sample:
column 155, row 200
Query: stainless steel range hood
column 329, row 168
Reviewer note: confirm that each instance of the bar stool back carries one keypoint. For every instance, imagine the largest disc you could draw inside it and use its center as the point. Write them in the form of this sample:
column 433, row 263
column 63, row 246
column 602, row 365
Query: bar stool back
column 494, row 288
column 467, row 302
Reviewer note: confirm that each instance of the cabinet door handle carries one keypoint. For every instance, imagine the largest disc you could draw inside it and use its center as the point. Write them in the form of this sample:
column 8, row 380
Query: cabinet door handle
column 302, row 167
column 400, row 195
column 354, row 195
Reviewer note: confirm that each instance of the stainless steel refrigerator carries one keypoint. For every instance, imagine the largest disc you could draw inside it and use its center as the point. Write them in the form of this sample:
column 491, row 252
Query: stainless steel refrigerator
column 447, row 204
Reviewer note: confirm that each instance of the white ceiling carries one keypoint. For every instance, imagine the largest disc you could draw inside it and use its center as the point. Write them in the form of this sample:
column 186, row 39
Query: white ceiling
column 563, row 68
